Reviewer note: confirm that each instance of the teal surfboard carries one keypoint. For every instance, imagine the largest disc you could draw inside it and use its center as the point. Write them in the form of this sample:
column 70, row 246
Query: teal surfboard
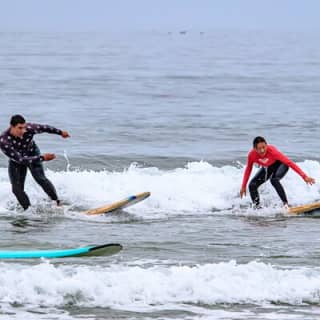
column 102, row 250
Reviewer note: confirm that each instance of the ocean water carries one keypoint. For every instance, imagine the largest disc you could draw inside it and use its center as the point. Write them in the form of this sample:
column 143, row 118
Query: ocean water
column 173, row 114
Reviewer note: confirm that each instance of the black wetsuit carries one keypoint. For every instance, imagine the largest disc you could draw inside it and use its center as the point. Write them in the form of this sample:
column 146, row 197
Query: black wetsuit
column 275, row 173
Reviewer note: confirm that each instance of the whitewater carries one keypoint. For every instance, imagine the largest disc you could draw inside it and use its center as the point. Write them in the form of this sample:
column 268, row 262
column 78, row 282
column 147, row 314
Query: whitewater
column 196, row 188
column 174, row 115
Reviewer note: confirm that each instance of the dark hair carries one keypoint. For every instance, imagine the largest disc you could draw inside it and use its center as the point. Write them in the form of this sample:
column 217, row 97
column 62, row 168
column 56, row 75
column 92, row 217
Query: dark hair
column 17, row 119
column 257, row 140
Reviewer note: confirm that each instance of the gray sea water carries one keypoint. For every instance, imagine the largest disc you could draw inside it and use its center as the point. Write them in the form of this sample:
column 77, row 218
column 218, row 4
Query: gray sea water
column 173, row 114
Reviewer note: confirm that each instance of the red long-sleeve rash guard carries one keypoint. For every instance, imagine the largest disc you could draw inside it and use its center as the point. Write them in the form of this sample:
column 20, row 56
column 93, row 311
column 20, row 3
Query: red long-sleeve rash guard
column 271, row 156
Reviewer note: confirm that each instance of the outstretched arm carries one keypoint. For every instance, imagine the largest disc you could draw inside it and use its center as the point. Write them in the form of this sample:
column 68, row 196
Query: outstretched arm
column 284, row 159
column 41, row 128
column 16, row 156
column 246, row 176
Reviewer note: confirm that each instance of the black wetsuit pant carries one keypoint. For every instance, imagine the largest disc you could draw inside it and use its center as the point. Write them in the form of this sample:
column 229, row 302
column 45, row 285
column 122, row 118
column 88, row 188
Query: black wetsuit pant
column 17, row 175
column 275, row 173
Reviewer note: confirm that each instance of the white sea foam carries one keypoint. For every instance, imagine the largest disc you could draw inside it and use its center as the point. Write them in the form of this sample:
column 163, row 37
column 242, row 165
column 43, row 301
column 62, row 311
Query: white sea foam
column 198, row 187
column 134, row 288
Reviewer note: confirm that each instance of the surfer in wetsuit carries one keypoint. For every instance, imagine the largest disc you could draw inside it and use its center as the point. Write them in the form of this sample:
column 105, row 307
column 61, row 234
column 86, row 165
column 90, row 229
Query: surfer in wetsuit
column 17, row 143
column 274, row 165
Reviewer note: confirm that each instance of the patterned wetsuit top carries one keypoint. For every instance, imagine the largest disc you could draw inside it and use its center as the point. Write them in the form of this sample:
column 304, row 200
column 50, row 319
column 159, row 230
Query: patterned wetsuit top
column 24, row 150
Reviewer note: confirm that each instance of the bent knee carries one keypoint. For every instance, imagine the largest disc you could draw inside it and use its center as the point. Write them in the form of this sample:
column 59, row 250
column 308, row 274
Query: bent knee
column 253, row 185
column 17, row 189
column 275, row 181
column 41, row 179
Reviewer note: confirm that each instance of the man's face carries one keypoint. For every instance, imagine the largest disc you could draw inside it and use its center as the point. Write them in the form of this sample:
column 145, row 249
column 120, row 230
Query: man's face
column 18, row 130
column 261, row 148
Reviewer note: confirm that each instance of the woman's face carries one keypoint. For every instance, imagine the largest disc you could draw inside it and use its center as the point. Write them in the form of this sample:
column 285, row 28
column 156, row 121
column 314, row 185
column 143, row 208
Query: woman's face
column 261, row 148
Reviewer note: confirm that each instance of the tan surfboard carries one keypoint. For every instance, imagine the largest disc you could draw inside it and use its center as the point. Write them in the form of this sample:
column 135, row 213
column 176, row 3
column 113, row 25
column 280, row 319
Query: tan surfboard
column 129, row 201
column 306, row 208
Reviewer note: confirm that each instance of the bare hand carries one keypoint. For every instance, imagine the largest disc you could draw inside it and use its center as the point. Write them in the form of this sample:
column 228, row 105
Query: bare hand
column 65, row 134
column 48, row 156
column 309, row 180
column 243, row 192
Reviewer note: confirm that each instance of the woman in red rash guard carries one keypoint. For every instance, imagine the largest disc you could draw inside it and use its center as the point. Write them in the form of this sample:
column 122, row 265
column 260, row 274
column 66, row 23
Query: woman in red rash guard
column 274, row 167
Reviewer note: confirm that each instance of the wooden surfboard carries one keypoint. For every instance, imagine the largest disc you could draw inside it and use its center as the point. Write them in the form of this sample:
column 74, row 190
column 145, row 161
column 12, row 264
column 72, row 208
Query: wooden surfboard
column 306, row 208
column 129, row 201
